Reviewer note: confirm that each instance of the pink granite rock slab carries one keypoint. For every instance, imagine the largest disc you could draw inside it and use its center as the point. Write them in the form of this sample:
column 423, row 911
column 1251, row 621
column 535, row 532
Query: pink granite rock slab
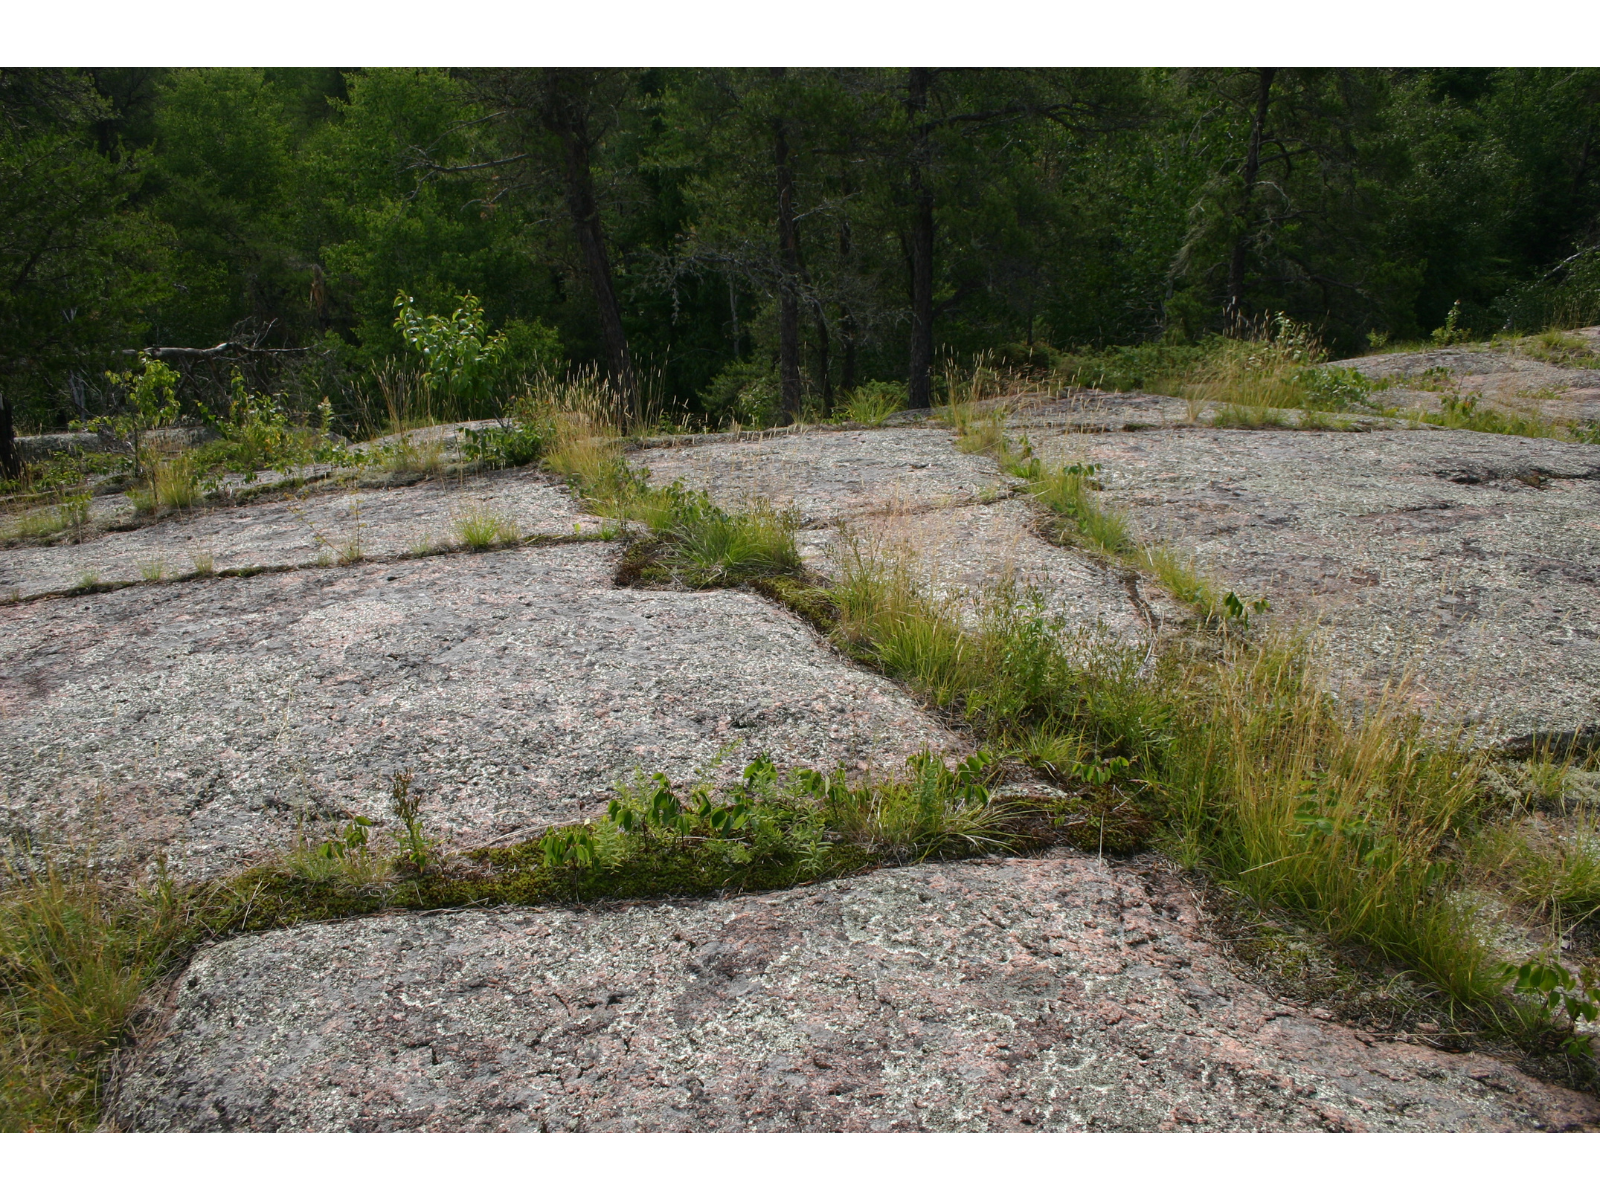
column 1471, row 560
column 207, row 719
column 1059, row 993
column 831, row 475
column 380, row 523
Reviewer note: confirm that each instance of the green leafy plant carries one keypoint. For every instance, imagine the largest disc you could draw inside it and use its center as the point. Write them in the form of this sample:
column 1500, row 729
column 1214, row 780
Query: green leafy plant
column 1557, row 993
column 459, row 354
column 505, row 446
column 1450, row 333
column 152, row 402
column 416, row 848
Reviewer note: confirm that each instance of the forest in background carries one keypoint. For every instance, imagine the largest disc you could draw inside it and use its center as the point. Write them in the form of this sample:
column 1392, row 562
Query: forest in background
column 752, row 244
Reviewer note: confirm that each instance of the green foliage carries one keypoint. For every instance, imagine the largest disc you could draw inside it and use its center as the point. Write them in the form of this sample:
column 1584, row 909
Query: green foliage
column 745, row 393
column 293, row 206
column 459, row 355
column 872, row 403
column 512, row 445
column 416, row 848
column 151, row 402
column 1558, row 994
column 1450, row 333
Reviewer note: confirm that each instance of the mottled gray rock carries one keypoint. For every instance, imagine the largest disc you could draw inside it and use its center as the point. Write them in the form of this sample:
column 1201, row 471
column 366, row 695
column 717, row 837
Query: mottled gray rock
column 297, row 530
column 831, row 476
column 1048, row 994
column 962, row 553
column 1472, row 560
column 1499, row 376
column 207, row 718
column 907, row 492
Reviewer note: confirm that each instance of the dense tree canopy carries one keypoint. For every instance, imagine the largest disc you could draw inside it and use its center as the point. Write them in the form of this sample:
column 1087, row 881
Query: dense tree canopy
column 690, row 232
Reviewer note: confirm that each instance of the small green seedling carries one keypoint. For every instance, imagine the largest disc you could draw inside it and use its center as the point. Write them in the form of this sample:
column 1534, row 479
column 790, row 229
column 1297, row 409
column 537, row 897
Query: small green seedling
column 351, row 840
column 415, row 848
column 1239, row 611
column 574, row 848
column 1100, row 773
column 1558, row 992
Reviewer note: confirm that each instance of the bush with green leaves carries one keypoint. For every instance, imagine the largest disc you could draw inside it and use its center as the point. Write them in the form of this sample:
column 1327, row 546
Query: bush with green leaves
column 510, row 445
column 745, row 393
column 459, row 354
column 151, row 402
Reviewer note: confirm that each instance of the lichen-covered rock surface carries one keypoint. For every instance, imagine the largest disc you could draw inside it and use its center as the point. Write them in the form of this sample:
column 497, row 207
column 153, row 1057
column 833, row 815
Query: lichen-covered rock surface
column 907, row 492
column 1469, row 560
column 1505, row 376
column 209, row 719
column 829, row 475
column 1059, row 993
column 298, row 530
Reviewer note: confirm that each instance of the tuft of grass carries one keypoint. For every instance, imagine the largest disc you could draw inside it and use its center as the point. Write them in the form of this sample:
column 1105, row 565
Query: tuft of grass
column 71, row 513
column 1559, row 347
column 174, row 484
column 1550, row 869
column 692, row 540
column 1244, row 416
column 873, row 403
column 1463, row 412
column 480, row 526
column 75, row 954
column 153, row 571
column 205, row 563
column 713, row 548
column 1070, row 491
column 88, row 579
column 405, row 457
column 1181, row 578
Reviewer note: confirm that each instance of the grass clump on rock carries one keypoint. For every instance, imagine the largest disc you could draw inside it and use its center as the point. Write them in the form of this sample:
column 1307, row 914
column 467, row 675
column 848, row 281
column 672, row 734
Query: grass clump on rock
column 1359, row 824
column 78, row 949
column 680, row 536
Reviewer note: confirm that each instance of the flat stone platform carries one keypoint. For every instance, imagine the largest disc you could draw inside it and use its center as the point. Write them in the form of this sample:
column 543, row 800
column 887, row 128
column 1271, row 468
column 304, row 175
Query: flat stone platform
column 1059, row 993
column 208, row 719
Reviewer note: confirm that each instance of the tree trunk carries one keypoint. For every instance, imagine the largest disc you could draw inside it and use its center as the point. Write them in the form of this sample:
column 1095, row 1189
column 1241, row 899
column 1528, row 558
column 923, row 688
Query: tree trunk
column 847, row 322
column 788, row 278
column 824, row 367
column 564, row 116
column 919, row 384
column 10, row 460
column 1232, row 312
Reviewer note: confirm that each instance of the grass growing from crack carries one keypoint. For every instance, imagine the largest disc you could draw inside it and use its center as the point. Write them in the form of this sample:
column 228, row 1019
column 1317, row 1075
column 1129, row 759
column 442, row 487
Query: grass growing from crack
column 480, row 526
column 70, row 514
column 77, row 950
column 1355, row 822
column 1352, row 822
column 686, row 537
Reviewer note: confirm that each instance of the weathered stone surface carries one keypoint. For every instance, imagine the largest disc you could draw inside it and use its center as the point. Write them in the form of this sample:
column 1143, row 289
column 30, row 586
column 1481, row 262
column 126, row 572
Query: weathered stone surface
column 1049, row 994
column 1502, row 378
column 962, row 552
column 297, row 531
column 832, row 476
column 205, row 718
column 1471, row 559
column 908, row 489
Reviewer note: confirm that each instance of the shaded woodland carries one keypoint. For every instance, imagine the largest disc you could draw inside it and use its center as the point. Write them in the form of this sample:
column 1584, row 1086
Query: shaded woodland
column 751, row 244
